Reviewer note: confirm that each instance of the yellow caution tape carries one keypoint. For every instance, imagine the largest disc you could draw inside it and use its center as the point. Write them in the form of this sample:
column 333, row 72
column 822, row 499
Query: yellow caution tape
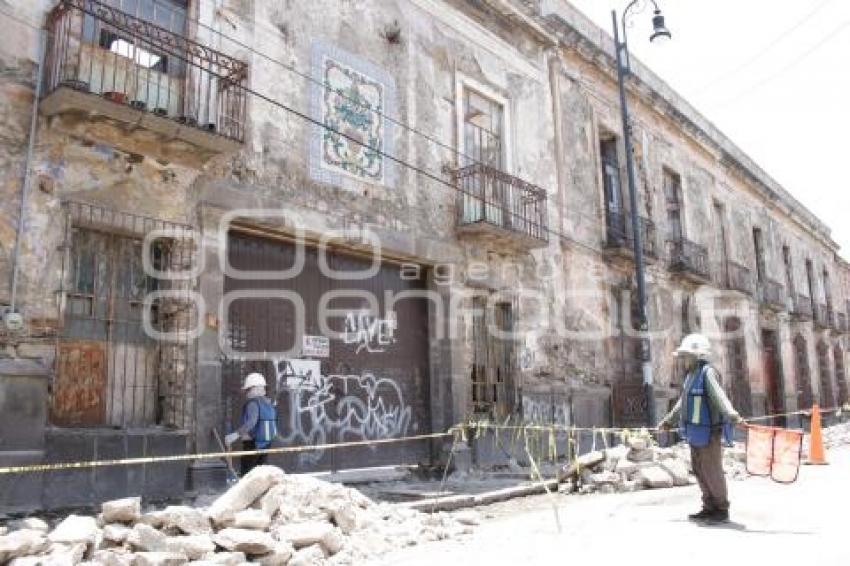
column 212, row 455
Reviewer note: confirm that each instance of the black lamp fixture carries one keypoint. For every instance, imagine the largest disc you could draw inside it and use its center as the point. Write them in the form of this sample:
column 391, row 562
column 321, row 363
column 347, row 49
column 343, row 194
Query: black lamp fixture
column 660, row 33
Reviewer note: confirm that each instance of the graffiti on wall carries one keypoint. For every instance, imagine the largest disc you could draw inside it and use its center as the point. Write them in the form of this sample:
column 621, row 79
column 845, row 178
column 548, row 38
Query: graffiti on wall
column 369, row 332
column 545, row 409
column 321, row 409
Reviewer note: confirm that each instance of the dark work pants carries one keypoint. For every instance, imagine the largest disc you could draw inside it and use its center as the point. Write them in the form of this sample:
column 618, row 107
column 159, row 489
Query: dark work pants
column 707, row 463
column 248, row 463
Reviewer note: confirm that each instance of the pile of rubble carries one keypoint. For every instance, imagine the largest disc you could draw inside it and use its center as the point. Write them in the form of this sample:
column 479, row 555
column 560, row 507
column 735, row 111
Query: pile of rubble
column 268, row 517
column 641, row 464
column 836, row 435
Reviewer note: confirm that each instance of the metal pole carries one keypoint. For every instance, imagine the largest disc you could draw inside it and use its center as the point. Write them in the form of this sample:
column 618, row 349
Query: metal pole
column 25, row 185
column 637, row 240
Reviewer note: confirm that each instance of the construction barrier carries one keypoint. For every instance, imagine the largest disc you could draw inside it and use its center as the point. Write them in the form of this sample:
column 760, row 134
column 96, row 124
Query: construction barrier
column 470, row 429
column 774, row 452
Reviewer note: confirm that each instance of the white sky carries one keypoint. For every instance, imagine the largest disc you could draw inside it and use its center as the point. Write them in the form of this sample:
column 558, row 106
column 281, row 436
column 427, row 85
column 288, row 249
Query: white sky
column 785, row 102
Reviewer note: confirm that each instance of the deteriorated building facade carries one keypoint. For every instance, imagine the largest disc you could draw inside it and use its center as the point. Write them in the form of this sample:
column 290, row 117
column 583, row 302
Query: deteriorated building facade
column 405, row 214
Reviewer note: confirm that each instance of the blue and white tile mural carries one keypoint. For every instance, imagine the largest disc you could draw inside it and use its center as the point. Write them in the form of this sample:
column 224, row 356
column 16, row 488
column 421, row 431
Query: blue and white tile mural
column 351, row 96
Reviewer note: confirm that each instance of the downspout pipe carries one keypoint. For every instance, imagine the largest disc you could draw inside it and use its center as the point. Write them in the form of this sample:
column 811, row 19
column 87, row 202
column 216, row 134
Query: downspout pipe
column 27, row 181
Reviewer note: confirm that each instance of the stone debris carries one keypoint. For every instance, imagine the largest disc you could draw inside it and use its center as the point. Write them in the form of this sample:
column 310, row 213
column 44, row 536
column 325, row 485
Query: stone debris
column 268, row 517
column 75, row 528
column 126, row 510
column 639, row 463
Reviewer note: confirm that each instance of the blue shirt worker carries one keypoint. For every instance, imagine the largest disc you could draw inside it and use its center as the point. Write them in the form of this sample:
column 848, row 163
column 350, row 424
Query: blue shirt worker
column 703, row 413
column 258, row 424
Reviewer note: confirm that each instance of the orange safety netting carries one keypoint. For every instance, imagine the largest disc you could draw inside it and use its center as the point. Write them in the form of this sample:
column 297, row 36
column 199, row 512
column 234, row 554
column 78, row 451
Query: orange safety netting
column 774, row 452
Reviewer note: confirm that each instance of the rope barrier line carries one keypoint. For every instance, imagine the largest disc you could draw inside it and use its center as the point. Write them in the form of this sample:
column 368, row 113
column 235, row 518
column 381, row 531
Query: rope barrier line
column 460, row 432
column 212, row 455
column 536, row 472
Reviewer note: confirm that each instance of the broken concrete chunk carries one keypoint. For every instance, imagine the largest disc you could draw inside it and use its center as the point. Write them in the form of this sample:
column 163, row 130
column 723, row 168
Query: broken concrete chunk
column 309, row 556
column 146, row 538
column 677, row 470
column 344, row 516
column 625, row 468
column 185, row 519
column 332, row 541
column 193, row 546
column 116, row 532
column 158, row 559
column 75, row 528
column 253, row 485
column 251, row 519
column 280, row 556
column 112, row 558
column 127, row 510
column 33, row 524
column 21, row 543
column 66, row 554
column 245, row 540
column 654, row 477
column 583, row 462
column 303, row 534
column 605, row 478
column 154, row 519
column 225, row 558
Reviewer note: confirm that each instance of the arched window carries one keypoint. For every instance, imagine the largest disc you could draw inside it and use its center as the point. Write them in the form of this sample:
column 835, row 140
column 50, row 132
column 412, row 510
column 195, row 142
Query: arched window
column 827, row 396
column 805, row 398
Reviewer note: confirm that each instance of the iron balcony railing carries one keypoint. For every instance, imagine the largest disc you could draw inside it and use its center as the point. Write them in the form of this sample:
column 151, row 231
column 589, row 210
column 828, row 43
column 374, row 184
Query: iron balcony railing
column 802, row 307
column 488, row 195
column 772, row 294
column 841, row 320
column 619, row 234
column 739, row 278
column 96, row 48
column 822, row 316
column 688, row 257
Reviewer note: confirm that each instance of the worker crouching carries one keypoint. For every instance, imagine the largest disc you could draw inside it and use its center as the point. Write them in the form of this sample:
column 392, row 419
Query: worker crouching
column 705, row 415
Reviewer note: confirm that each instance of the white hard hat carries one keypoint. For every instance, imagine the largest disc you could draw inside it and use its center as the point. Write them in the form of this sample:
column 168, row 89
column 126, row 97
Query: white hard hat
column 254, row 380
column 696, row 345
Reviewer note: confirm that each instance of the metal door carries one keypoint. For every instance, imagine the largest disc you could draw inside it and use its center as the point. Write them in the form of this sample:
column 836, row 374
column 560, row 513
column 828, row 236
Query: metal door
column 805, row 397
column 775, row 399
column 738, row 379
column 371, row 383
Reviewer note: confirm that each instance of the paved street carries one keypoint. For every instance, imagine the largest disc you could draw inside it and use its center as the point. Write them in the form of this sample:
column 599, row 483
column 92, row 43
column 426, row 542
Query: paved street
column 805, row 523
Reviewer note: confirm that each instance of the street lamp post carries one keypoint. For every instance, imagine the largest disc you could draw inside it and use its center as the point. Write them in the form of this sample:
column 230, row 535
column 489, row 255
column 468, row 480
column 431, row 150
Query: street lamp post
column 660, row 32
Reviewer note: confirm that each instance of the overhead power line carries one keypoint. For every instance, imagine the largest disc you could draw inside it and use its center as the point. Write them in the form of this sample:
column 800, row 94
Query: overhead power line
column 764, row 50
column 303, row 116
column 802, row 57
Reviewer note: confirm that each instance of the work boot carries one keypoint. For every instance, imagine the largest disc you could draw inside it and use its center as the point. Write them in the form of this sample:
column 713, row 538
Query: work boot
column 702, row 515
column 717, row 517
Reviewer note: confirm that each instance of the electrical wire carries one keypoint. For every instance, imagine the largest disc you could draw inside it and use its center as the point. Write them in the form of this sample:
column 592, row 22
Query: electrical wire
column 803, row 56
column 305, row 117
column 777, row 40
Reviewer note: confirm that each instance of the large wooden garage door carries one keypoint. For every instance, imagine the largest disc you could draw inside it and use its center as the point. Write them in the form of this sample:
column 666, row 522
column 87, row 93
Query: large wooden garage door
column 369, row 382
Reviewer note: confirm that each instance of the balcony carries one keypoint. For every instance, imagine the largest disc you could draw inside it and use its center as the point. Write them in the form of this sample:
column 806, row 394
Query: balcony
column 736, row 277
column 688, row 259
column 802, row 308
column 822, row 314
column 772, row 295
column 841, row 323
column 619, row 235
column 114, row 78
column 499, row 207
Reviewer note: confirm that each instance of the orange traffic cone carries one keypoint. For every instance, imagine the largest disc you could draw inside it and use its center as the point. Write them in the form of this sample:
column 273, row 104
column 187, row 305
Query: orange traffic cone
column 816, row 452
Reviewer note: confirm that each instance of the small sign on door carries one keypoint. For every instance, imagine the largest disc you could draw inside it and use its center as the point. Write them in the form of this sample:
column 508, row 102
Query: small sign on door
column 316, row 346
